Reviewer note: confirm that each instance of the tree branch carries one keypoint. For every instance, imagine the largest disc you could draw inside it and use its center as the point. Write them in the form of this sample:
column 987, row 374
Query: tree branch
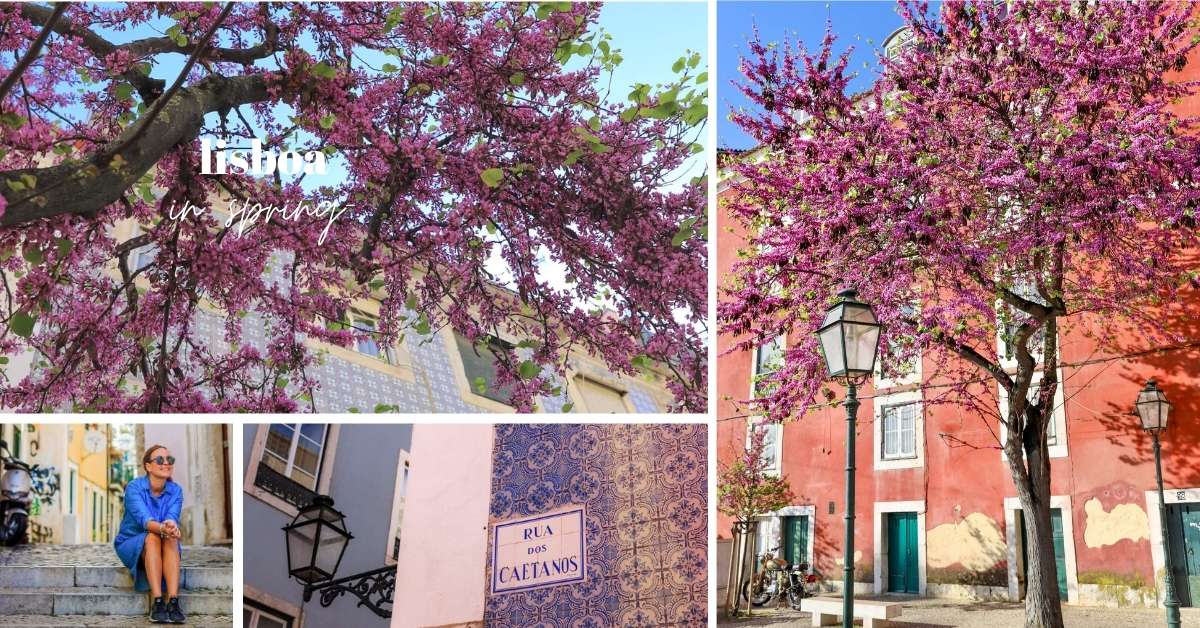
column 33, row 51
column 82, row 188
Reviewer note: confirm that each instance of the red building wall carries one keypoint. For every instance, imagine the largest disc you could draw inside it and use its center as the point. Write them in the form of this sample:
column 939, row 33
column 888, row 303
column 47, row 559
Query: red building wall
column 1109, row 462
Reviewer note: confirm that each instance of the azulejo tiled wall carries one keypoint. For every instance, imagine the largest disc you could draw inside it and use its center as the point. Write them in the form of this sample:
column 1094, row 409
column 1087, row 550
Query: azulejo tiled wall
column 643, row 488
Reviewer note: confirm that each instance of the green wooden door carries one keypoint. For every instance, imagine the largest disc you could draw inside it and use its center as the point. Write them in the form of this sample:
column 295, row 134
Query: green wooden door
column 1060, row 549
column 902, row 572
column 795, row 539
column 1184, row 528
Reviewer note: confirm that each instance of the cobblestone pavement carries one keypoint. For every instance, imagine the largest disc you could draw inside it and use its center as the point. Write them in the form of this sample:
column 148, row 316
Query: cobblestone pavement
column 942, row 613
column 212, row 621
column 101, row 555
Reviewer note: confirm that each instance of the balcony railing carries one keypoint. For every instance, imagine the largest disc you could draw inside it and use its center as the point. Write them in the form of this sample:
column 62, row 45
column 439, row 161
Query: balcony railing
column 282, row 486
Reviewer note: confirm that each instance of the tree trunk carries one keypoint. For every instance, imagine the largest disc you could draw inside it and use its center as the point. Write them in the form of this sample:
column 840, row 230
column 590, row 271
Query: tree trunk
column 1043, row 604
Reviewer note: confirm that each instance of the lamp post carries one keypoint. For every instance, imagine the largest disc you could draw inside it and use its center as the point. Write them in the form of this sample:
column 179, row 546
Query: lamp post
column 1153, row 410
column 316, row 541
column 849, row 338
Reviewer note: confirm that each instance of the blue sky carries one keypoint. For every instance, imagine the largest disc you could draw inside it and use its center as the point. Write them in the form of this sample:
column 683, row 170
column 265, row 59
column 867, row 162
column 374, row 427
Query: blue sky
column 862, row 25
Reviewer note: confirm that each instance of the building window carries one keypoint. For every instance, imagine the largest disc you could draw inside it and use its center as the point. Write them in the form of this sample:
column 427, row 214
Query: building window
column 398, row 496
column 368, row 345
column 1056, row 429
column 771, row 444
column 900, row 431
column 892, row 369
column 291, row 462
column 257, row 616
column 600, row 398
column 767, row 359
column 480, row 365
column 72, row 484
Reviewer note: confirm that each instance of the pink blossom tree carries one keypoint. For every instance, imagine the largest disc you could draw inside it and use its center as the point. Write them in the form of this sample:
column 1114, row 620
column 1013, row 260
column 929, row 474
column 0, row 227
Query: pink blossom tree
column 747, row 489
column 474, row 137
column 1016, row 173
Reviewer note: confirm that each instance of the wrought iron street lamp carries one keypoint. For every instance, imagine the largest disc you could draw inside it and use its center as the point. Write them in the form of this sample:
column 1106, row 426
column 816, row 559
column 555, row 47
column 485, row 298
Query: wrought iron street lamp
column 849, row 338
column 1153, row 410
column 316, row 541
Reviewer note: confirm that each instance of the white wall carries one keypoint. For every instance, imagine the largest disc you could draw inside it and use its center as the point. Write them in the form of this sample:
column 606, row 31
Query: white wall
column 440, row 577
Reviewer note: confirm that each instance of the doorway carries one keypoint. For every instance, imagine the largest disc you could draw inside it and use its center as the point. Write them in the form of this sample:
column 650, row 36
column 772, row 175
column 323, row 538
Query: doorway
column 1183, row 528
column 795, row 539
column 1060, row 551
column 903, row 575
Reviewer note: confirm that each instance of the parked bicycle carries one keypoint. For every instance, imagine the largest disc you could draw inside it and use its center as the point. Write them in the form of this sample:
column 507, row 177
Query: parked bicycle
column 776, row 579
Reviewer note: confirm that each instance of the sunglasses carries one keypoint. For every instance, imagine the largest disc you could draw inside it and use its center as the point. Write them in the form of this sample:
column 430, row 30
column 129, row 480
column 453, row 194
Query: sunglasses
column 160, row 460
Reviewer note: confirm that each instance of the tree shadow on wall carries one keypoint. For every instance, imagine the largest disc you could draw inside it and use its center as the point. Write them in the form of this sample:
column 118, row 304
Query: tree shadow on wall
column 1177, row 370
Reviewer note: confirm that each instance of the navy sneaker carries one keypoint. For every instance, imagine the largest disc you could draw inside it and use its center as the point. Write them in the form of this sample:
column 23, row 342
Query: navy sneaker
column 176, row 614
column 158, row 612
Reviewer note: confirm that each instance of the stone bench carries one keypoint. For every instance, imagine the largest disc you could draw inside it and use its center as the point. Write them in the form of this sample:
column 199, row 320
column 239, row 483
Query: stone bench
column 827, row 611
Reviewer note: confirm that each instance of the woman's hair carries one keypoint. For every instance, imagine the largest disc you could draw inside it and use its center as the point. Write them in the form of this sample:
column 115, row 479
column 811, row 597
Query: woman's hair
column 150, row 454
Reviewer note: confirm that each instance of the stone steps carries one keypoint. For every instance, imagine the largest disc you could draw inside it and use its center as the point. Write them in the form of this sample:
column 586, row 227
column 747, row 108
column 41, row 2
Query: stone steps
column 26, row 576
column 43, row 581
column 50, row 621
column 105, row 601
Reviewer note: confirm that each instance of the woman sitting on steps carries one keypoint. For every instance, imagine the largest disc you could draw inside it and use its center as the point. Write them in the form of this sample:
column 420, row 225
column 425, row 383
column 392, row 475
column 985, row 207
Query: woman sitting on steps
column 148, row 542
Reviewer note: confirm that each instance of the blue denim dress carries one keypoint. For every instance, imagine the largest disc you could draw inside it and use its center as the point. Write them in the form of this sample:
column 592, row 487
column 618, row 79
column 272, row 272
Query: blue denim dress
column 142, row 507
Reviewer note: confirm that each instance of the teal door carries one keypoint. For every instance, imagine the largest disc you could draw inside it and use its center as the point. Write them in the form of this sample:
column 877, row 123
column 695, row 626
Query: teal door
column 795, row 539
column 902, row 570
column 1060, row 550
column 1183, row 524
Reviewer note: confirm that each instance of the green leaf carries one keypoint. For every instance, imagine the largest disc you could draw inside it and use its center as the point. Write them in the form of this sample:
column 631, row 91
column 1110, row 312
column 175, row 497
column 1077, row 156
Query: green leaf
column 3, row 359
column 12, row 120
column 567, row 407
column 411, row 302
column 388, row 67
column 324, row 70
column 679, row 65
column 422, row 326
column 480, row 385
column 281, row 382
column 124, row 91
column 492, row 177
column 21, row 324
column 695, row 113
column 528, row 370
column 517, row 78
column 381, row 408
column 601, row 148
column 694, row 60
column 684, row 233
column 32, row 255
column 353, row 410
column 419, row 88
column 702, row 78
column 327, row 121
column 594, row 123
column 696, row 148
column 439, row 61
column 572, row 157
column 64, row 247
column 629, row 114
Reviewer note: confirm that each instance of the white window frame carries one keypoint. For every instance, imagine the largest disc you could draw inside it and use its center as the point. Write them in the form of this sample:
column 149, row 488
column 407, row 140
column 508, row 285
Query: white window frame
column 1058, row 449
column 917, row 460
column 328, row 454
column 908, row 379
column 290, row 462
column 386, row 354
column 398, row 497
column 758, row 422
column 278, row 605
column 777, row 450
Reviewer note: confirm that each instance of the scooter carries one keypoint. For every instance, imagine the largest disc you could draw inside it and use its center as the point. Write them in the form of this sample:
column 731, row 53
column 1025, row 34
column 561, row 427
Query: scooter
column 16, row 496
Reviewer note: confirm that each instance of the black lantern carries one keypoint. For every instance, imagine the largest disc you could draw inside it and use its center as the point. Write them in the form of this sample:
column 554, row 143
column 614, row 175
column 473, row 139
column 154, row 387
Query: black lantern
column 849, row 337
column 316, row 540
column 1153, row 407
